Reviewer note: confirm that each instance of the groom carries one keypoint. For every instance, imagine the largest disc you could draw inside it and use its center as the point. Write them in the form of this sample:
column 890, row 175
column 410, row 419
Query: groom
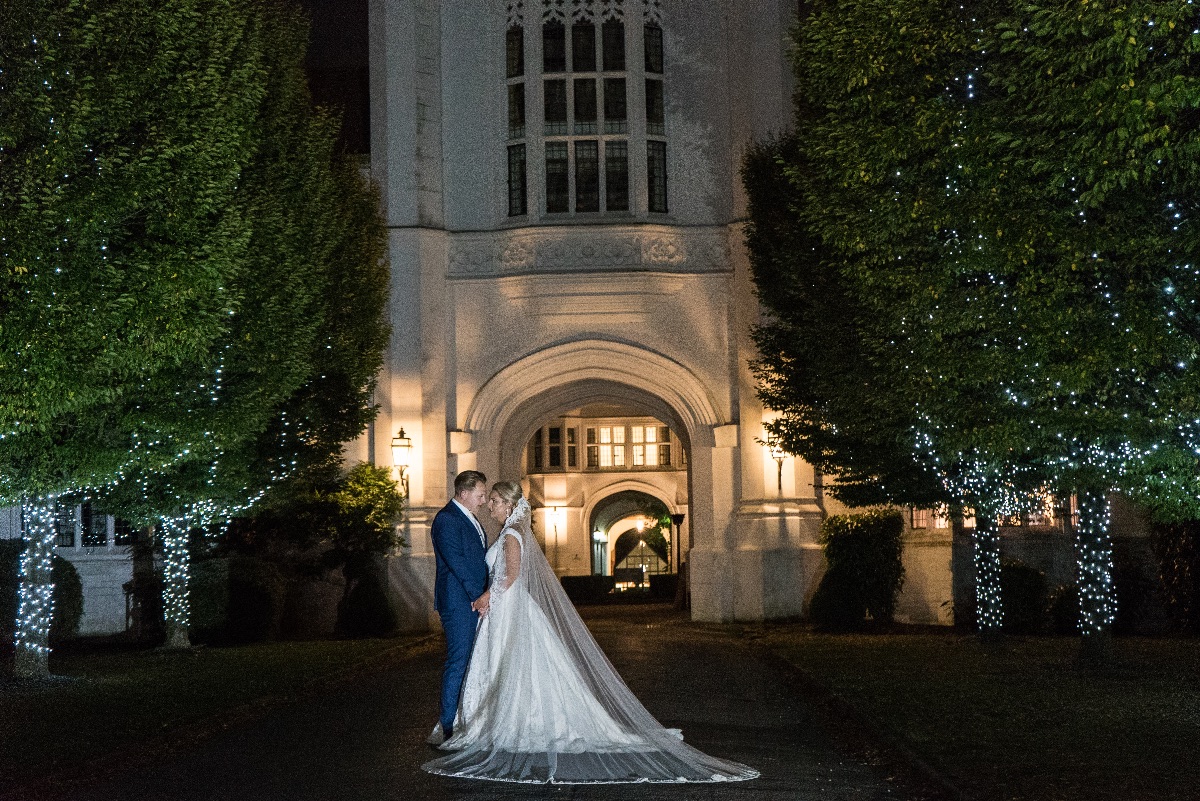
column 459, row 544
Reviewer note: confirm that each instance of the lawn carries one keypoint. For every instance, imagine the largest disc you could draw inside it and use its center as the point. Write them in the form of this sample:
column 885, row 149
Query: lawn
column 1020, row 720
column 109, row 704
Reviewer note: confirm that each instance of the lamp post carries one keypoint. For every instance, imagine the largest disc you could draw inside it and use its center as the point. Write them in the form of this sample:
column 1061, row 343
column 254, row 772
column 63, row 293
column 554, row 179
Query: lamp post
column 401, row 450
column 778, row 454
column 677, row 520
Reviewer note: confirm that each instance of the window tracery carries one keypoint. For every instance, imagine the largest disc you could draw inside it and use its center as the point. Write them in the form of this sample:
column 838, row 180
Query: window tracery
column 593, row 88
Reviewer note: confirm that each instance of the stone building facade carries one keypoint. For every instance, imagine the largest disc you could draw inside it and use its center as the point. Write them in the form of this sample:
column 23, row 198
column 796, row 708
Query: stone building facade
column 561, row 187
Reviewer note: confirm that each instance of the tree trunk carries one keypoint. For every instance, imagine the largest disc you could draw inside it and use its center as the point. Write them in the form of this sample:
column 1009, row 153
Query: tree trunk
column 1097, row 595
column 36, row 610
column 989, row 607
column 176, row 570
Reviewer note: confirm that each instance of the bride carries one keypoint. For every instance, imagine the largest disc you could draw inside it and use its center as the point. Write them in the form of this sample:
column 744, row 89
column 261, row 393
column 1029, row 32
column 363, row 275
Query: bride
column 541, row 702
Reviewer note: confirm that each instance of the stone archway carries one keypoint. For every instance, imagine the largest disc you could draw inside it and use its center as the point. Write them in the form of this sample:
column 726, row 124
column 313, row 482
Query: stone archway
column 618, row 503
column 514, row 403
column 560, row 375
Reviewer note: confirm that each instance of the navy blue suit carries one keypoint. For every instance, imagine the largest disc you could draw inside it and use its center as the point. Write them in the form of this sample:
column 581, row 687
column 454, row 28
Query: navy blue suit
column 461, row 578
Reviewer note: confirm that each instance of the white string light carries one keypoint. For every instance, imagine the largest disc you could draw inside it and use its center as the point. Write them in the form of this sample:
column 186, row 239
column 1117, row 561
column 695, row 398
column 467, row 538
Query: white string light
column 36, row 610
column 1097, row 595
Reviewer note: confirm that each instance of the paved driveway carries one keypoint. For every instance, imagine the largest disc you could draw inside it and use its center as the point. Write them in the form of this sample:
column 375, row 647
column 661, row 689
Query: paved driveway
column 364, row 739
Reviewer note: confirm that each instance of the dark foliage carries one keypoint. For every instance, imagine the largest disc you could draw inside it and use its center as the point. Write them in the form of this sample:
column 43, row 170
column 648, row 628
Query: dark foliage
column 331, row 522
column 588, row 589
column 365, row 610
column 1177, row 548
column 1023, row 590
column 1063, row 609
column 236, row 600
column 816, row 367
column 864, row 571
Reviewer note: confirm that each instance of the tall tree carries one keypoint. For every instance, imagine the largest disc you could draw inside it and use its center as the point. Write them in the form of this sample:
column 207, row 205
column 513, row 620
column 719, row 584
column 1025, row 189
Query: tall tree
column 999, row 189
column 297, row 365
column 123, row 129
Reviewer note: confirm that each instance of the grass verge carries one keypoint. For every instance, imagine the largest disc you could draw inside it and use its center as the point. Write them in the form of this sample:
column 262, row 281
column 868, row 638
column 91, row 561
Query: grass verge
column 111, row 705
column 1022, row 719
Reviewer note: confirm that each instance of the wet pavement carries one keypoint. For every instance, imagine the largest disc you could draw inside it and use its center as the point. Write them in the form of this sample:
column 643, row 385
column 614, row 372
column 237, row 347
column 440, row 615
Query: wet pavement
column 364, row 739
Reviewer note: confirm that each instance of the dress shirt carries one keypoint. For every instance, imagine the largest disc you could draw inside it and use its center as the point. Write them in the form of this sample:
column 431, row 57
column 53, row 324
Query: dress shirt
column 471, row 517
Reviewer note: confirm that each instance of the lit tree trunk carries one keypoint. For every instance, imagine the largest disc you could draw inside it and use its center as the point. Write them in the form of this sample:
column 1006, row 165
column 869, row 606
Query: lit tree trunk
column 1097, row 596
column 36, row 610
column 176, row 571
column 989, row 608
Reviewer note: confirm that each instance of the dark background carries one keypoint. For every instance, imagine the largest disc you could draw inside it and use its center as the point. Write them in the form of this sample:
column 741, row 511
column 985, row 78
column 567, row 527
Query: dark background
column 337, row 67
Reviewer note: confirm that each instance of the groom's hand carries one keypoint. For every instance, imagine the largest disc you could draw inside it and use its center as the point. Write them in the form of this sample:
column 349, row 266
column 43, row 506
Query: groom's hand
column 482, row 603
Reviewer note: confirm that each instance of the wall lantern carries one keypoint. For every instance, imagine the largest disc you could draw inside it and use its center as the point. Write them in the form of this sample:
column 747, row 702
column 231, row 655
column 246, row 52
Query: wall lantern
column 775, row 449
column 401, row 451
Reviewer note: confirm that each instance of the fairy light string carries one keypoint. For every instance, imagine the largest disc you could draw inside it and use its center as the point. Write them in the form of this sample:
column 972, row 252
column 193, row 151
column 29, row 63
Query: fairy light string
column 35, row 611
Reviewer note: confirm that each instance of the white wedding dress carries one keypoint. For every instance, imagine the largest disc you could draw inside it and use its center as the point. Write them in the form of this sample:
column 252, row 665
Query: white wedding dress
column 541, row 703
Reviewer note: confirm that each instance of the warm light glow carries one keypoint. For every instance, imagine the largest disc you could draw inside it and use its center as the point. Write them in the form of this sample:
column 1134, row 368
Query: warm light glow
column 401, row 448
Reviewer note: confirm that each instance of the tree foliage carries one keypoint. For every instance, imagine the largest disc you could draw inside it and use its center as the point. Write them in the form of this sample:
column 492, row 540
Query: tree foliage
column 817, row 368
column 998, row 188
column 123, row 134
column 1003, row 190
column 190, row 279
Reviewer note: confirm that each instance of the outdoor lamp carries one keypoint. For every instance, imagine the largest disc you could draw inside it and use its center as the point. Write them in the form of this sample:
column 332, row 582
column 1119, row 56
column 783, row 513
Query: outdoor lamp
column 778, row 454
column 401, row 449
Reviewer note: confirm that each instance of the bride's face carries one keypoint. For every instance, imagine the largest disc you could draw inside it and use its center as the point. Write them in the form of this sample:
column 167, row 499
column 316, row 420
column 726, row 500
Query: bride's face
column 499, row 508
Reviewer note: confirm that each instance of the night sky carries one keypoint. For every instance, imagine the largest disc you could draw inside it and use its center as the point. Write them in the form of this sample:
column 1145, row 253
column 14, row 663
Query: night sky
column 337, row 66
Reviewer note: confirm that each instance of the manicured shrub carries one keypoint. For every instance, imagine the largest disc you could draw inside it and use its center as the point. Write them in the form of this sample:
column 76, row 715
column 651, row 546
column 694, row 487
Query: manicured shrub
column 1177, row 549
column 864, row 570
column 1023, row 594
column 235, row 600
column 1063, row 609
column 68, row 595
column 365, row 610
column 590, row 589
column 663, row 585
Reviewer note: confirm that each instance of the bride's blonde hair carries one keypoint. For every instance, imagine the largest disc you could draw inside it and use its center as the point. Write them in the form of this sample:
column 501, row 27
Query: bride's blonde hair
column 510, row 491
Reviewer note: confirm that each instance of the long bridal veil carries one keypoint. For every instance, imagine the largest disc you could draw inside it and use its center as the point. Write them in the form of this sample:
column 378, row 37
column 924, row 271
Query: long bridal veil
column 553, row 708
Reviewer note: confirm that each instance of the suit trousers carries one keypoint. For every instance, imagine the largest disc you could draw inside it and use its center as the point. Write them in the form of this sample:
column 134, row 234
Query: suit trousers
column 460, row 624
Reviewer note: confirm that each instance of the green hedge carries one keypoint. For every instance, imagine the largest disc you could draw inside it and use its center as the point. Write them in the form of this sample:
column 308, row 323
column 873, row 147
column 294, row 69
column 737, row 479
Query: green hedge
column 864, row 571
column 1023, row 596
column 1177, row 548
column 235, row 600
column 68, row 595
column 588, row 589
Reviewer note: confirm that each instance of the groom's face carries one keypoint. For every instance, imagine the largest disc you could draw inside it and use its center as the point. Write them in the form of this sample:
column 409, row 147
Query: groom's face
column 474, row 498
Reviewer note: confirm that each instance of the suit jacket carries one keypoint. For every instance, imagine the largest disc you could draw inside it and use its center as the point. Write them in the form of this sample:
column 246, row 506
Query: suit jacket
column 461, row 570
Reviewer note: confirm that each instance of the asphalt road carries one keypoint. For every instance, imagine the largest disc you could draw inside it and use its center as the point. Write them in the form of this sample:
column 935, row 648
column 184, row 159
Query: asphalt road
column 364, row 739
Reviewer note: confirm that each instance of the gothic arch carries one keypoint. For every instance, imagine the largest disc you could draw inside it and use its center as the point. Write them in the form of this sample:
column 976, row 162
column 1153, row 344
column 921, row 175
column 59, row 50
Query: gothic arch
column 557, row 377
column 618, row 487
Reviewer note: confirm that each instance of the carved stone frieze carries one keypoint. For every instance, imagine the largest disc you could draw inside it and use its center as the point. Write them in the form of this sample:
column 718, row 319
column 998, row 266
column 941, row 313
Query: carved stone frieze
column 608, row 249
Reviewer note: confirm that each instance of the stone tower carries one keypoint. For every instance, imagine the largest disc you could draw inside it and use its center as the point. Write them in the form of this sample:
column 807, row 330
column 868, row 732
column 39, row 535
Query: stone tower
column 562, row 194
